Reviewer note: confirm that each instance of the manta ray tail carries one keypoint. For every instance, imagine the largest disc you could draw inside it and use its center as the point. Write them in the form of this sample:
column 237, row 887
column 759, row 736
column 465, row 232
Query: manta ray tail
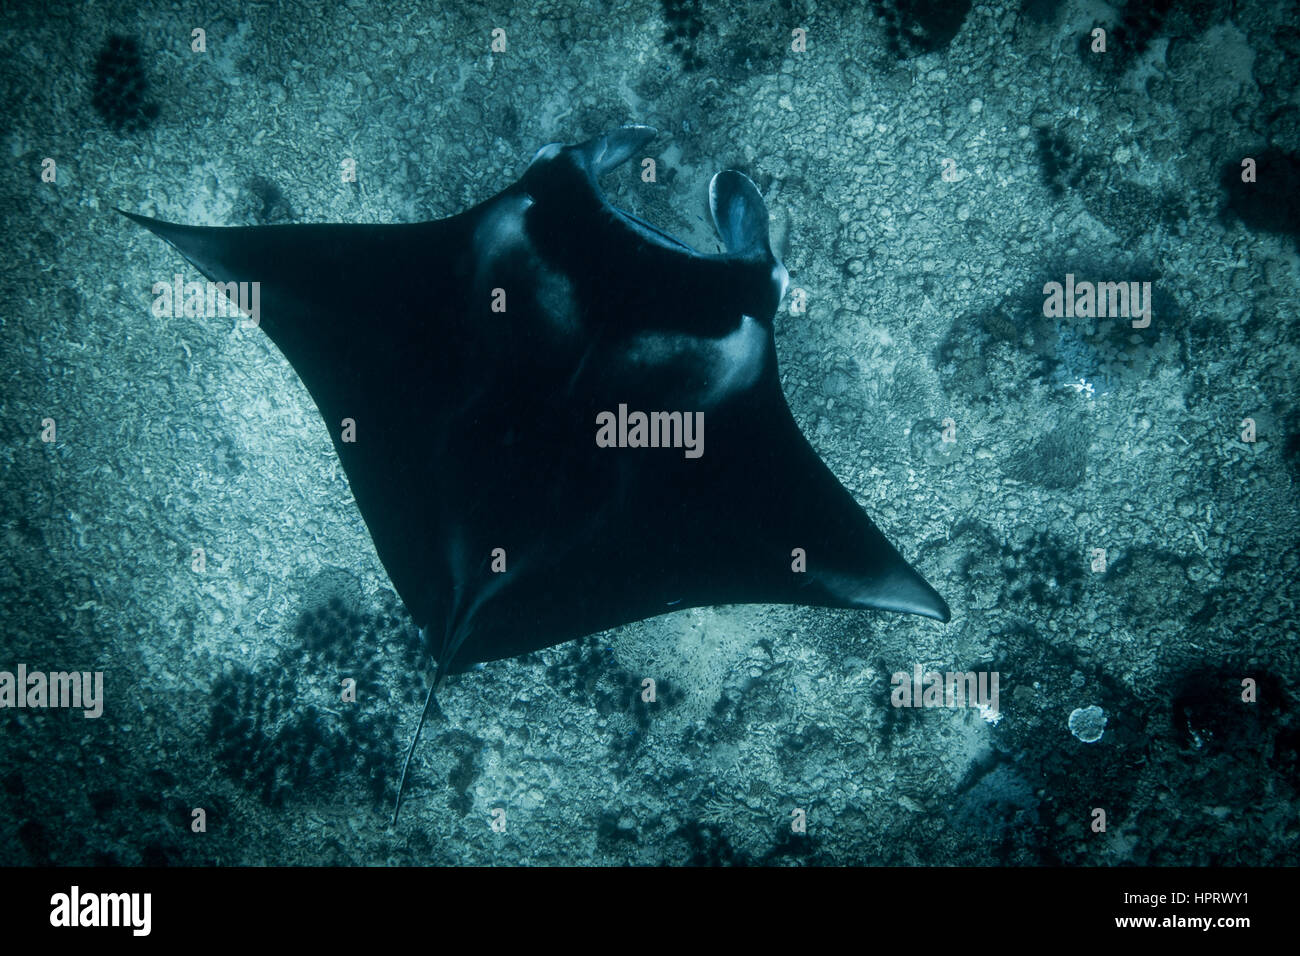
column 430, row 704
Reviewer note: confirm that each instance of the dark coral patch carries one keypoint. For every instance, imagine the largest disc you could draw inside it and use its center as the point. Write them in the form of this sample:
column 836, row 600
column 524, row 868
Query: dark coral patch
column 1272, row 202
column 121, row 87
column 916, row 27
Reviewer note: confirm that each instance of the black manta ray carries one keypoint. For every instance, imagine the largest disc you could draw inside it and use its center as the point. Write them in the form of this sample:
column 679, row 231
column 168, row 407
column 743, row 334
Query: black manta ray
column 557, row 419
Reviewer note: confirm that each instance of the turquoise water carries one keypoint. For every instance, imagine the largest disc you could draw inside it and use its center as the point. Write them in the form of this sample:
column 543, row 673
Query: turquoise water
column 1109, row 510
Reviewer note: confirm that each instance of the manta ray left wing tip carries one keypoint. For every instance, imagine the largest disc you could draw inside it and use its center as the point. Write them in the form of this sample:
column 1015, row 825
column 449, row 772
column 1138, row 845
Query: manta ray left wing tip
column 937, row 608
column 134, row 217
column 217, row 252
column 893, row 585
column 168, row 231
column 914, row 596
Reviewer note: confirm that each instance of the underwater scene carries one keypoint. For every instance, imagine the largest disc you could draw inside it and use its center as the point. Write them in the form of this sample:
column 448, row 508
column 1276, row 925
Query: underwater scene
column 650, row 433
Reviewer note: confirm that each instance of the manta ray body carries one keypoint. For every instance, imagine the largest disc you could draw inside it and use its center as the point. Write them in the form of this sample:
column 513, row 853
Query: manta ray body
column 556, row 418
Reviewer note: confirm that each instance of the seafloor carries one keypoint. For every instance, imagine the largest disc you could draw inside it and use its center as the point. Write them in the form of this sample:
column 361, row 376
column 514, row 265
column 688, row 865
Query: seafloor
column 924, row 305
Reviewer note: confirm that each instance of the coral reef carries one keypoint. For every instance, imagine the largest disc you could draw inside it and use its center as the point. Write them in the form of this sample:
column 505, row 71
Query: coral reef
column 289, row 729
column 1272, row 202
column 121, row 86
column 916, row 27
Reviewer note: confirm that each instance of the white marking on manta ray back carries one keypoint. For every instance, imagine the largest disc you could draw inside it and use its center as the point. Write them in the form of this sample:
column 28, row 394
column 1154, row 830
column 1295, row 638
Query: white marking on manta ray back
column 499, row 231
column 727, row 364
column 739, row 359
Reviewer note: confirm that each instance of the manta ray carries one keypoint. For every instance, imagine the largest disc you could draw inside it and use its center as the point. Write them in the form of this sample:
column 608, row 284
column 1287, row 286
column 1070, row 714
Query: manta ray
column 556, row 418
